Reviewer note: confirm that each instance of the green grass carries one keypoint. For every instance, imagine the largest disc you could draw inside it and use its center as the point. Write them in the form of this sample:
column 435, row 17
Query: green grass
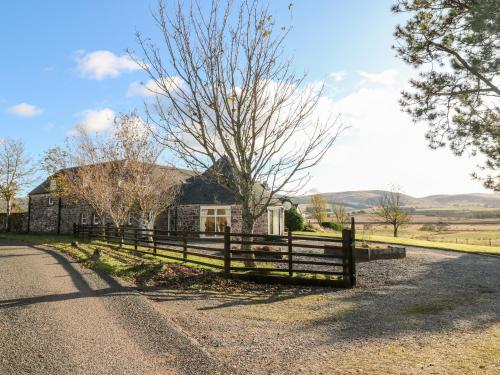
column 128, row 263
column 413, row 242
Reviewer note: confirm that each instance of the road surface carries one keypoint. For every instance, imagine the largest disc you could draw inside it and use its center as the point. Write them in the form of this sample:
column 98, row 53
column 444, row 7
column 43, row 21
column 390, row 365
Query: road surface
column 59, row 318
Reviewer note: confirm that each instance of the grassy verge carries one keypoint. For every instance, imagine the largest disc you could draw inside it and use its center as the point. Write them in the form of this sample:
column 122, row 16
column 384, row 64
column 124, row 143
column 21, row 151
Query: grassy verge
column 142, row 265
column 415, row 242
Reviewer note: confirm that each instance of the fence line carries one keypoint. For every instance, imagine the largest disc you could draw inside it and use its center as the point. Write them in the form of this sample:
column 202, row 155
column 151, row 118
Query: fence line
column 289, row 258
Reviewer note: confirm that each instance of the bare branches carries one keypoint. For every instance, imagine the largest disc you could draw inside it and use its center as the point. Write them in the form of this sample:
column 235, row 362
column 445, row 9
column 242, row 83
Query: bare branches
column 318, row 212
column 391, row 210
column 236, row 98
column 340, row 213
column 116, row 173
column 16, row 172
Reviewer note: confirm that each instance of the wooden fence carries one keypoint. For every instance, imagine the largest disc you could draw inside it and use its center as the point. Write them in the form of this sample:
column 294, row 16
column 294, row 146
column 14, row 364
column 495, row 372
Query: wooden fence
column 291, row 258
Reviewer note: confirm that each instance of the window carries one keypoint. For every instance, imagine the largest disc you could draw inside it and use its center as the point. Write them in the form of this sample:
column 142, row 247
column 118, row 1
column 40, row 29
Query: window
column 83, row 219
column 129, row 221
column 274, row 218
column 51, row 201
column 214, row 218
column 95, row 219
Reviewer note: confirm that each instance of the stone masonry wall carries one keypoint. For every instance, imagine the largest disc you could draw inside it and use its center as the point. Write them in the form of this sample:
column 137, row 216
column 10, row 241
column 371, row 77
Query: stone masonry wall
column 18, row 222
column 44, row 217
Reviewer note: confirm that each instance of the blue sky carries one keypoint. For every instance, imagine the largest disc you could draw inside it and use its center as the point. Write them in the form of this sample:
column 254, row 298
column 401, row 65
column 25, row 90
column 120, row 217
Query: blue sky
column 63, row 63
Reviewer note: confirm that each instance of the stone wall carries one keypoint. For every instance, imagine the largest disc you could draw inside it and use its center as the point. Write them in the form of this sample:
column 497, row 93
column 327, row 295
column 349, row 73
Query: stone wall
column 18, row 222
column 44, row 215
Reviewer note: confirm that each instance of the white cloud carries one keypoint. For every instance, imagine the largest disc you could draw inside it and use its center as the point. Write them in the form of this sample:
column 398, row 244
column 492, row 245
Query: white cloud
column 387, row 77
column 103, row 64
column 384, row 147
column 94, row 121
column 338, row 75
column 25, row 110
column 151, row 88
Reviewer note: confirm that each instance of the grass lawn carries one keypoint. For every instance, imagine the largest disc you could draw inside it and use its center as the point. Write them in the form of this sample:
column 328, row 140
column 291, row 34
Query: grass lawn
column 434, row 243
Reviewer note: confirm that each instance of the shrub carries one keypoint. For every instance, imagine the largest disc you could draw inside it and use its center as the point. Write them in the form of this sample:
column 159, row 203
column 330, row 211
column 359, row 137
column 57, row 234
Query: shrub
column 332, row 225
column 294, row 219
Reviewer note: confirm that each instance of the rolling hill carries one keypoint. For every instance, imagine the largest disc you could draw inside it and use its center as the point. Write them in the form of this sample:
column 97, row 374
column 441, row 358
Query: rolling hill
column 368, row 198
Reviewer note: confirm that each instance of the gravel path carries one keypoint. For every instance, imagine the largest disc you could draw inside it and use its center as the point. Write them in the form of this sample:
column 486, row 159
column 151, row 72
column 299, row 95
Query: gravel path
column 434, row 312
column 57, row 318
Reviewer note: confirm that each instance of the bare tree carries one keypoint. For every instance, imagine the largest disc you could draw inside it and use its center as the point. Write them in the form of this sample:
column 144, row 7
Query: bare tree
column 16, row 172
column 340, row 213
column 391, row 210
column 318, row 208
column 115, row 173
column 225, row 92
column 153, row 187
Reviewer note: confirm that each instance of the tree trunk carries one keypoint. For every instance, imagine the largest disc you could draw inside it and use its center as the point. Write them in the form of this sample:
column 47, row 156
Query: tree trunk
column 247, row 225
column 8, row 212
column 395, row 231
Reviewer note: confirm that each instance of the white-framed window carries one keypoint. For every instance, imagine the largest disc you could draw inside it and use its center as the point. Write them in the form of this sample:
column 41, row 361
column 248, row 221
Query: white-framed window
column 214, row 218
column 130, row 219
column 51, row 201
column 95, row 219
column 83, row 218
column 274, row 220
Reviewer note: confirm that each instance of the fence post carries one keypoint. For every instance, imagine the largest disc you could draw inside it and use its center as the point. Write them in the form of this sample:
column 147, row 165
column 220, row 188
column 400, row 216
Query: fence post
column 120, row 230
column 353, row 252
column 346, row 258
column 136, row 237
column 227, row 251
column 154, row 240
column 91, row 229
column 184, row 246
column 290, row 248
column 74, row 231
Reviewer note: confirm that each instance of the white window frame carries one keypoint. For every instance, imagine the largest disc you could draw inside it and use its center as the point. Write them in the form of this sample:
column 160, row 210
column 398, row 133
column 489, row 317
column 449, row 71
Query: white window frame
column 215, row 208
column 51, row 201
column 83, row 218
column 270, row 210
column 95, row 219
column 129, row 219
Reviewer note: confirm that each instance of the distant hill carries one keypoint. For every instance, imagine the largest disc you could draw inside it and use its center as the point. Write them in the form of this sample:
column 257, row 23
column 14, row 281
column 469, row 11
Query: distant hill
column 368, row 198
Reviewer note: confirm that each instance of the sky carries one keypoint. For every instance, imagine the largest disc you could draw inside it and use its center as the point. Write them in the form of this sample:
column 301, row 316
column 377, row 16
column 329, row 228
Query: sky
column 64, row 63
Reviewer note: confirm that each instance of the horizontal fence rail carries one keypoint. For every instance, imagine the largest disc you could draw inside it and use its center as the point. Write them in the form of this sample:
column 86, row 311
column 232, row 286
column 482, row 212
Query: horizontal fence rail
column 289, row 258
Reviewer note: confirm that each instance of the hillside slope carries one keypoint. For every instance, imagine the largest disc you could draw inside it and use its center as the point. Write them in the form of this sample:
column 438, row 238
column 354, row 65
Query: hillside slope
column 367, row 198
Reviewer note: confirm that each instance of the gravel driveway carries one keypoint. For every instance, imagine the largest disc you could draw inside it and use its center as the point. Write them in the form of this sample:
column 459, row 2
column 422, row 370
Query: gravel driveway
column 434, row 312
column 57, row 318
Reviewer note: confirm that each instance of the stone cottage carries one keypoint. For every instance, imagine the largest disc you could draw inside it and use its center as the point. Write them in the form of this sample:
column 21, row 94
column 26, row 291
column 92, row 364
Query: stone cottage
column 202, row 205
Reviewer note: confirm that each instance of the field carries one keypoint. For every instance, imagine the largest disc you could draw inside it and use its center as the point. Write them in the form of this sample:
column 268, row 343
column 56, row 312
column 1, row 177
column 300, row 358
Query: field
column 471, row 229
column 483, row 235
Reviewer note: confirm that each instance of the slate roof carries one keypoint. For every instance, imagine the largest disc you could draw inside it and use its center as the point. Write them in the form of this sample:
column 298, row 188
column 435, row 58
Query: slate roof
column 204, row 189
column 45, row 188
column 194, row 189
